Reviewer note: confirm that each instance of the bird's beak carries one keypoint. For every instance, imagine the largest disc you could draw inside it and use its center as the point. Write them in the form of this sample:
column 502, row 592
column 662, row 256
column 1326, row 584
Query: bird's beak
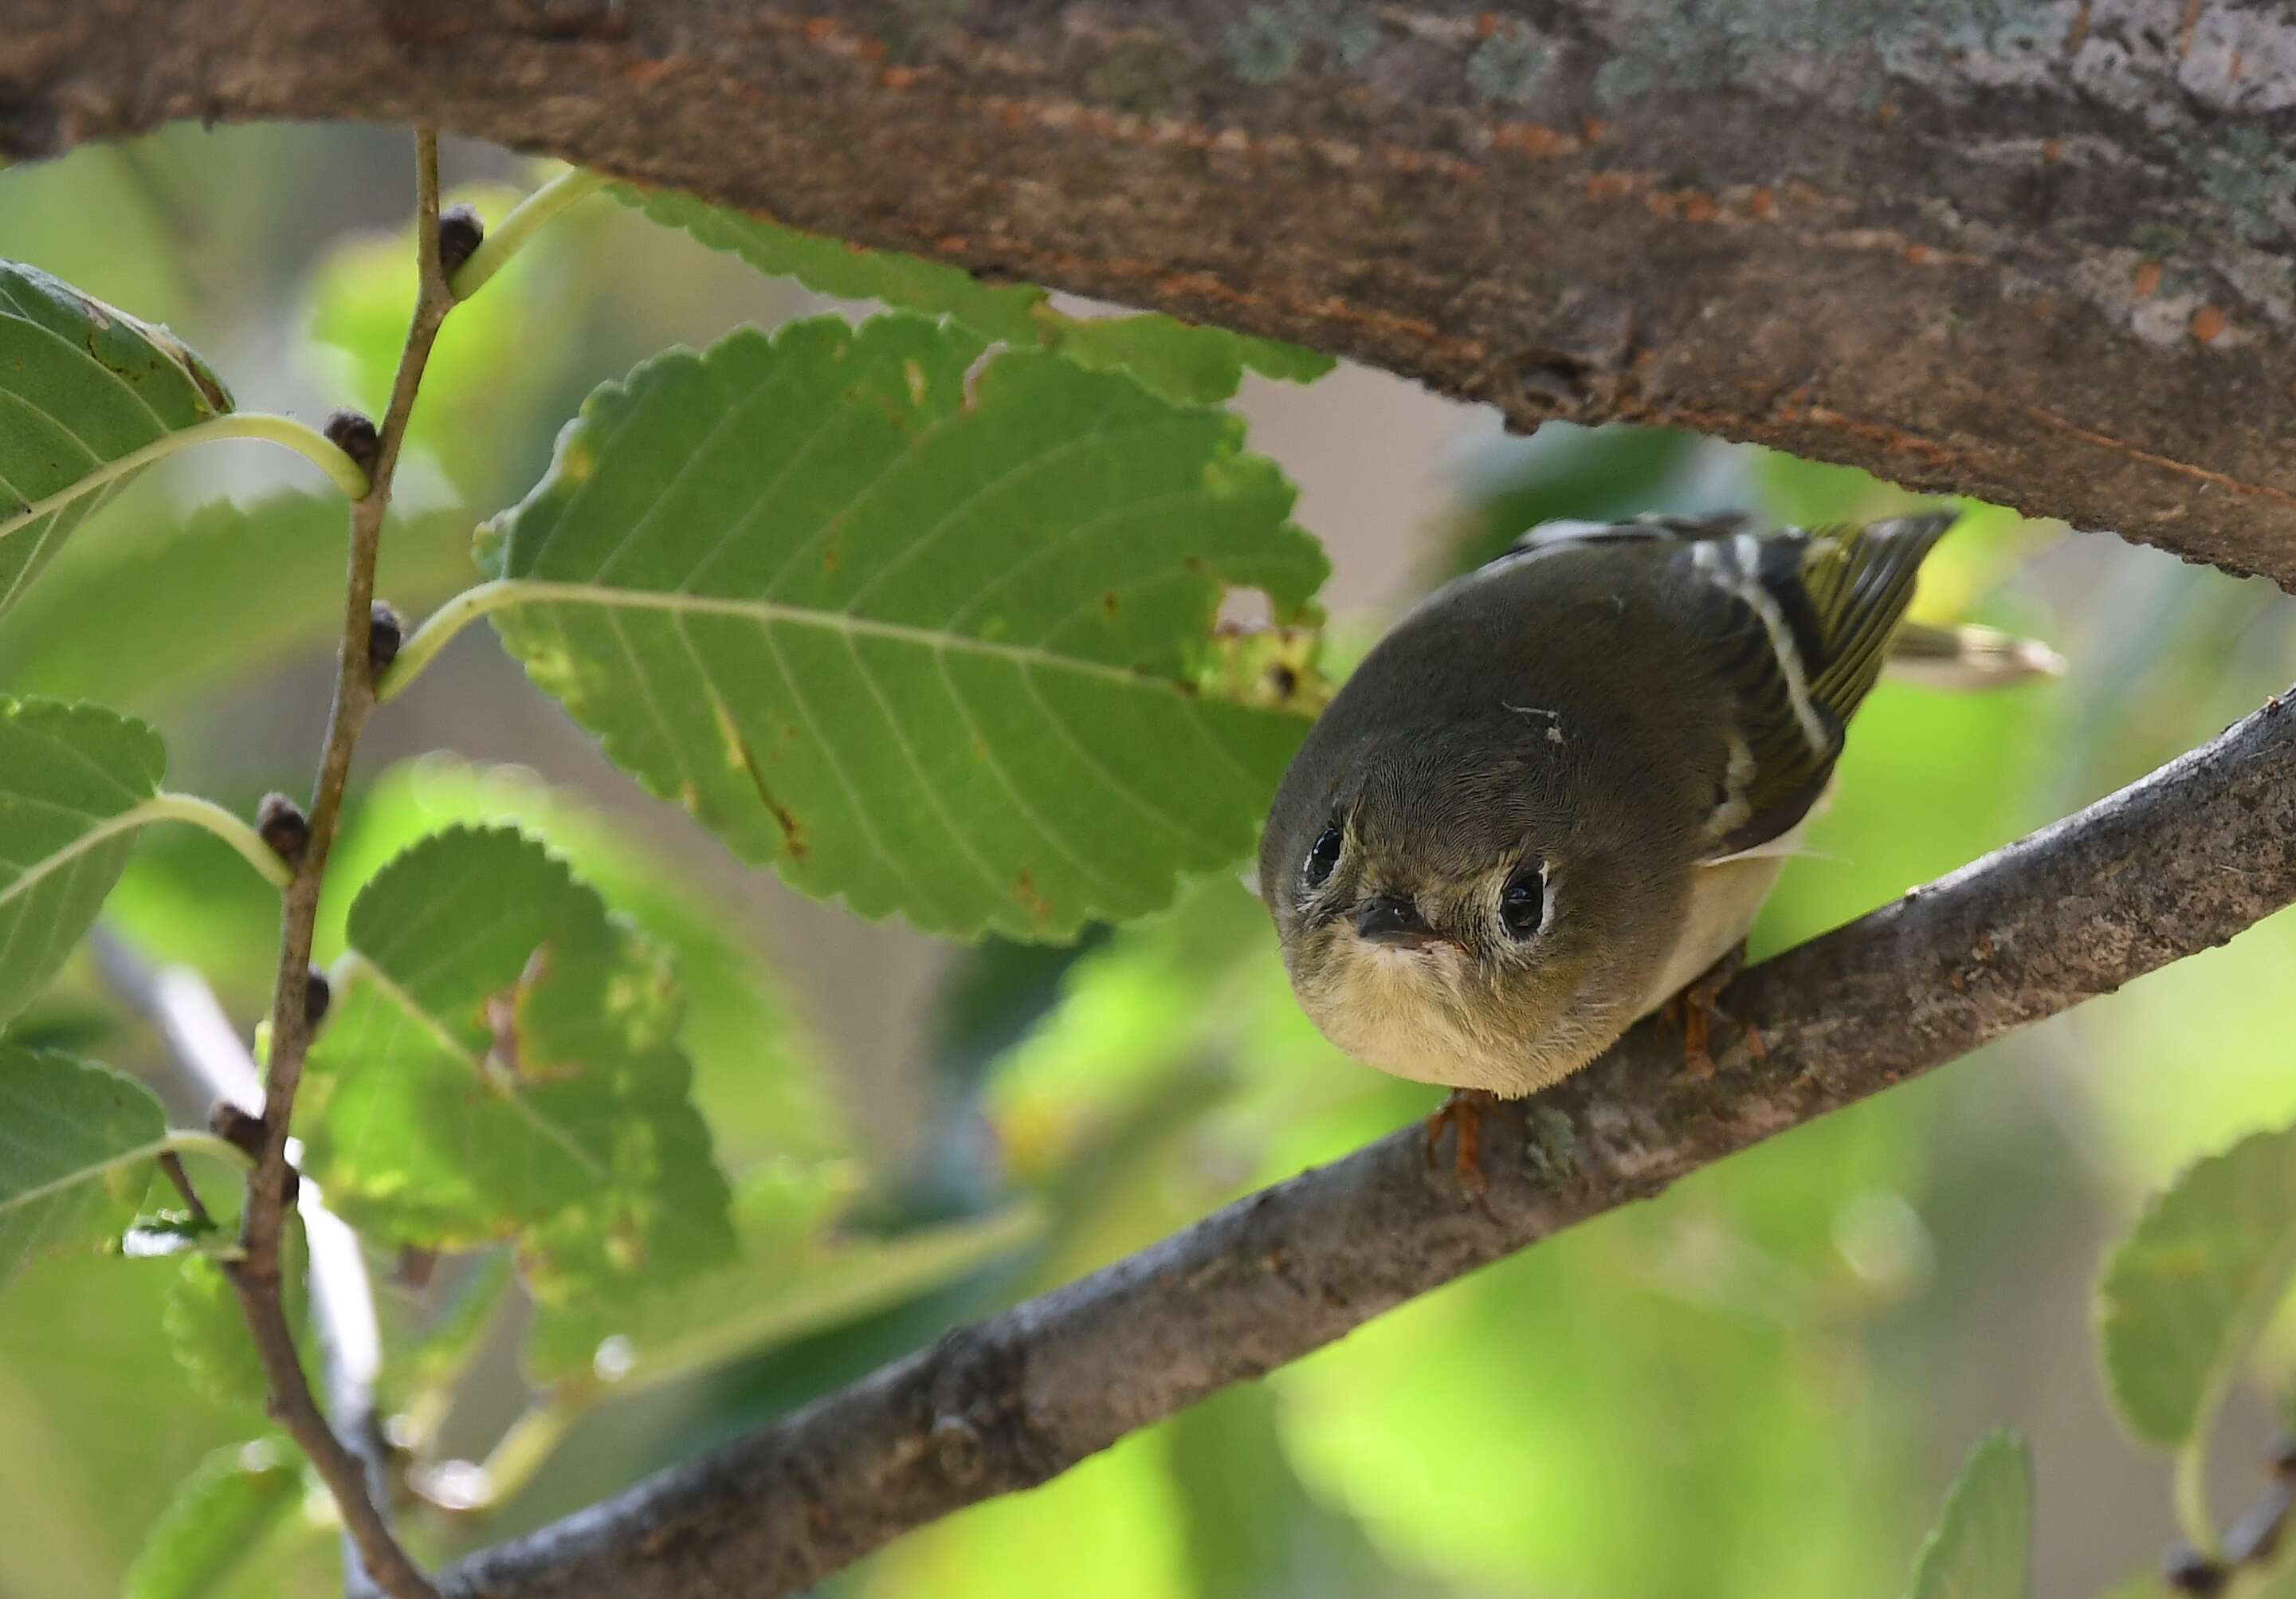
column 1393, row 919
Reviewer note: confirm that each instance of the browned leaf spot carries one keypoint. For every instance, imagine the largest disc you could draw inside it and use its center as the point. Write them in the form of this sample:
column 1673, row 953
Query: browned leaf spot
column 1024, row 889
column 1110, row 605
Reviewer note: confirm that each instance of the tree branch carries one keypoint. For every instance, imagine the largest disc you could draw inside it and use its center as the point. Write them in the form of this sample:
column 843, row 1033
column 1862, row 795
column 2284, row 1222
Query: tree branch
column 2174, row 863
column 2045, row 260
column 207, row 1049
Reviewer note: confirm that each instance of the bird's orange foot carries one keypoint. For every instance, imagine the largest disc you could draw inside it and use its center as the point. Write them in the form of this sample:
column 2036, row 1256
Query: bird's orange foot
column 1698, row 1009
column 1463, row 1112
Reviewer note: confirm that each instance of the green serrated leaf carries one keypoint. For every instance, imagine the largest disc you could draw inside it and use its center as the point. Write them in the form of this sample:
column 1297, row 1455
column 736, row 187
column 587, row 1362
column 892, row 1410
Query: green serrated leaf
column 922, row 638
column 71, row 780
column 82, row 385
column 502, row 1064
column 797, row 1275
column 1982, row 1547
column 77, row 1146
column 218, row 1515
column 758, row 1081
column 2186, row 1295
column 1184, row 362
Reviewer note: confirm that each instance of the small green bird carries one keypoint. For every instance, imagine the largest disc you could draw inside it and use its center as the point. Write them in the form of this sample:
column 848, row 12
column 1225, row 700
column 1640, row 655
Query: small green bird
column 1554, row 796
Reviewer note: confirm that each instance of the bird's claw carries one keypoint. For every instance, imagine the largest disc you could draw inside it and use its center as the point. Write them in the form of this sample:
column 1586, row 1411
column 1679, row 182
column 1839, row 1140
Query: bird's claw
column 1462, row 1111
column 1698, row 1008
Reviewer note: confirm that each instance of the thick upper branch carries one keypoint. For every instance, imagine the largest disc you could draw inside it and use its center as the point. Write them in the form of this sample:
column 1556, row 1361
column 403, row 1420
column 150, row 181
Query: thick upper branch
column 2038, row 251
column 2174, row 864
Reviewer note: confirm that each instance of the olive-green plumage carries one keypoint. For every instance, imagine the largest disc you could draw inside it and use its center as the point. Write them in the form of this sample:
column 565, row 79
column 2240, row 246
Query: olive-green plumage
column 1561, row 786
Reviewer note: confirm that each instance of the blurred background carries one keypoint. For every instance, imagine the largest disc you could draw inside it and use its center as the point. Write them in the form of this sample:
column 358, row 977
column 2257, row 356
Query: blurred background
column 1756, row 1385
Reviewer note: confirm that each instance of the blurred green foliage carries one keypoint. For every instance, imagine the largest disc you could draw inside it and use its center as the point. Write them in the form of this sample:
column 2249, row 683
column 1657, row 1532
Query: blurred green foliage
column 1752, row 1388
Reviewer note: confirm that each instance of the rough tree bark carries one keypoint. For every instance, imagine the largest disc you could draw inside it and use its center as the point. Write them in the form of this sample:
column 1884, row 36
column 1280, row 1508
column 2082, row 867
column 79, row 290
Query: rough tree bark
column 2038, row 250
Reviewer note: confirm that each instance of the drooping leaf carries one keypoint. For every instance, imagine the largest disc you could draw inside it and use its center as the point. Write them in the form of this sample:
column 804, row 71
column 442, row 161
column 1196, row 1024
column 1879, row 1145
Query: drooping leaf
column 797, row 1274
column 77, row 1146
column 1186, row 364
column 502, row 1064
column 2186, row 1295
column 149, row 613
column 82, row 385
column 71, row 779
column 1982, row 1546
column 217, row 1517
column 926, row 643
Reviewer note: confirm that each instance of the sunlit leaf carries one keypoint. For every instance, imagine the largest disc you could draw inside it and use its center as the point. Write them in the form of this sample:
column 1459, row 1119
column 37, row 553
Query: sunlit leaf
column 757, row 1074
column 919, row 640
column 797, row 1274
column 217, row 1517
column 143, row 612
column 71, row 779
column 77, row 1146
column 82, row 385
column 502, row 1064
column 1184, row 362
column 2186, row 1296
column 1982, row 1546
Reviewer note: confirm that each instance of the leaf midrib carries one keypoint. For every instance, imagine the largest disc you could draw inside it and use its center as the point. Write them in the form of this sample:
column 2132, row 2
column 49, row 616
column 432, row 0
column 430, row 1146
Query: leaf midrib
column 504, row 594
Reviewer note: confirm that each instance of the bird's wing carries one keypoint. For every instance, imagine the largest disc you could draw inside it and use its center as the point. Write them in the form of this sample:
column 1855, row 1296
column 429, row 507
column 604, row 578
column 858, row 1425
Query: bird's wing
column 1796, row 625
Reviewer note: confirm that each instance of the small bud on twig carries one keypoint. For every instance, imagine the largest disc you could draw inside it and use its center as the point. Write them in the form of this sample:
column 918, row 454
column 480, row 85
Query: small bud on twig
column 353, row 435
column 284, row 827
column 460, row 233
column 384, row 633
column 317, row 995
column 244, row 1132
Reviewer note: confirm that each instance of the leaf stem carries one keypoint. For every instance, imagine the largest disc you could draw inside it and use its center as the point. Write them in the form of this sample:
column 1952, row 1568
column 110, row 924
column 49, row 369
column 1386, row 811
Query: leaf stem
column 305, row 441
column 170, row 807
column 256, row 1278
column 439, row 630
column 185, row 1141
column 526, row 218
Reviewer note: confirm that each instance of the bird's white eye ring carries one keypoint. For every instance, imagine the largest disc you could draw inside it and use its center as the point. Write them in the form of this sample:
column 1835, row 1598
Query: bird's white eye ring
column 1323, row 856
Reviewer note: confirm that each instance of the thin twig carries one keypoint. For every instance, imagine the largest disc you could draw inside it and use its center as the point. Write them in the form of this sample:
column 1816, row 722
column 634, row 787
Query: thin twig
column 207, row 1049
column 172, row 1164
column 256, row 1275
column 2129, row 885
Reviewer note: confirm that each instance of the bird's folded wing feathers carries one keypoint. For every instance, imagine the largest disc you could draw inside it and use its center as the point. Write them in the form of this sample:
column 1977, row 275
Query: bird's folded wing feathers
column 1797, row 625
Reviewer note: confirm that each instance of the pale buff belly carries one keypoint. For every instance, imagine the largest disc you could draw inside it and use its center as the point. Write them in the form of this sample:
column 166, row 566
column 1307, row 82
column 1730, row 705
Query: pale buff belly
column 1723, row 900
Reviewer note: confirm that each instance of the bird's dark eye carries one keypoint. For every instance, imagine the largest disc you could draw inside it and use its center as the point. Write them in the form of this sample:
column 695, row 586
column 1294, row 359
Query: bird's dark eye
column 1324, row 857
column 1522, row 903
